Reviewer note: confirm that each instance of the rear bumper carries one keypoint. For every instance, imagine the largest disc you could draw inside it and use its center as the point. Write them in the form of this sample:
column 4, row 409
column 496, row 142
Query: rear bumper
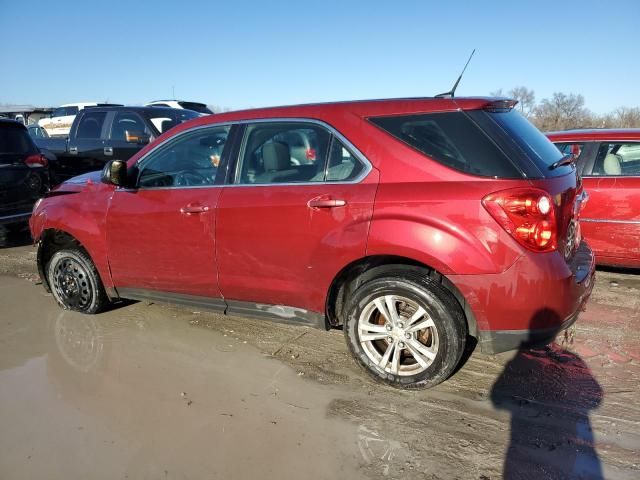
column 530, row 303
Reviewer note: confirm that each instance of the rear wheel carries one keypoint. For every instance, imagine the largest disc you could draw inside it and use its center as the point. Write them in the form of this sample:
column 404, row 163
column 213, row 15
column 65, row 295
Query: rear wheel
column 74, row 281
column 405, row 329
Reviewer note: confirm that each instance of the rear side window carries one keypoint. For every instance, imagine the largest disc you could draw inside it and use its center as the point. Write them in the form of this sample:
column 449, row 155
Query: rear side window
column 90, row 126
column 452, row 139
column 284, row 153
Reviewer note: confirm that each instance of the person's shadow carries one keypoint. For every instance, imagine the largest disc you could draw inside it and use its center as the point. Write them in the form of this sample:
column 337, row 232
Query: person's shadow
column 549, row 392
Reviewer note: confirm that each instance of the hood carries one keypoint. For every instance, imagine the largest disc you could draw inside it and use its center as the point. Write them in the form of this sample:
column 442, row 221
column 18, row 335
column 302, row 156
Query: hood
column 78, row 183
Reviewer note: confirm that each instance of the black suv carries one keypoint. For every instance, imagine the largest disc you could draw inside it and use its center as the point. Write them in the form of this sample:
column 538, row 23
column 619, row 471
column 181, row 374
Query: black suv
column 24, row 174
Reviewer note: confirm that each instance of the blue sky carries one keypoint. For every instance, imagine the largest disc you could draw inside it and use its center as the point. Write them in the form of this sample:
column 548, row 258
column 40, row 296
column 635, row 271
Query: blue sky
column 242, row 54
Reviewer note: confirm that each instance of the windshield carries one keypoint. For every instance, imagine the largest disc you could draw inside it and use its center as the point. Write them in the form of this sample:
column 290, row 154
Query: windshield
column 196, row 107
column 164, row 119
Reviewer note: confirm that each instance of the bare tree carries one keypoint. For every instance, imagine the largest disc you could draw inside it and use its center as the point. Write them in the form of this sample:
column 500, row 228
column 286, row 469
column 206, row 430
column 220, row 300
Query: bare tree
column 526, row 100
column 562, row 111
column 626, row 117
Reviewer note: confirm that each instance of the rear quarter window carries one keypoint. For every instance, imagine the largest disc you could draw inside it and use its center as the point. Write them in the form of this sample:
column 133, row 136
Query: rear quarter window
column 452, row 139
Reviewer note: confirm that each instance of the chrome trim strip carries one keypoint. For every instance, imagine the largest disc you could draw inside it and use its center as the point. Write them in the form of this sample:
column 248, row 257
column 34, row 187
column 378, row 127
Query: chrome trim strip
column 16, row 216
column 610, row 176
column 357, row 153
column 602, row 220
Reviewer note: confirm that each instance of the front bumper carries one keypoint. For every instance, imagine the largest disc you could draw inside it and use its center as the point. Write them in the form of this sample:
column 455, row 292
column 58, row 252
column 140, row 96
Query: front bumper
column 530, row 303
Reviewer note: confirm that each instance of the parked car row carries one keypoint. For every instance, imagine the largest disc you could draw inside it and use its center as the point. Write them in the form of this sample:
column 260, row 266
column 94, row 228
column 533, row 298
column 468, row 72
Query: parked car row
column 60, row 122
column 99, row 134
column 24, row 174
column 418, row 226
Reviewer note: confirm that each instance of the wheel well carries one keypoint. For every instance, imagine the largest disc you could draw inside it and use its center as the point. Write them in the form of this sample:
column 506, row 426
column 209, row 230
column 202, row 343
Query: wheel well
column 360, row 271
column 51, row 241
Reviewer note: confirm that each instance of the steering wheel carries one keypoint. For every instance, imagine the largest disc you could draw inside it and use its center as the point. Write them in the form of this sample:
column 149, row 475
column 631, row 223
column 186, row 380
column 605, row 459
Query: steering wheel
column 188, row 178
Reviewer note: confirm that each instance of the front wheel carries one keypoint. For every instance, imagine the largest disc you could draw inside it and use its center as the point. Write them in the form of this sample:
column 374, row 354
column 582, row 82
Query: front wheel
column 405, row 329
column 74, row 281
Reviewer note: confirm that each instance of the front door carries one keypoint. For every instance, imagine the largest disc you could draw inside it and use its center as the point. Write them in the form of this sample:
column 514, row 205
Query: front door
column 128, row 134
column 298, row 210
column 161, row 234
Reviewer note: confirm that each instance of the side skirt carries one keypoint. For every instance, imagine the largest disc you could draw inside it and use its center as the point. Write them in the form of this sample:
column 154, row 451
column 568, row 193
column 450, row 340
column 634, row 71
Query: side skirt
column 277, row 313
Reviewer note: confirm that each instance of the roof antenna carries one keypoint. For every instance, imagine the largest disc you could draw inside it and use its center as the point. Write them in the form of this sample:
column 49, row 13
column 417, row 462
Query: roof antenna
column 452, row 92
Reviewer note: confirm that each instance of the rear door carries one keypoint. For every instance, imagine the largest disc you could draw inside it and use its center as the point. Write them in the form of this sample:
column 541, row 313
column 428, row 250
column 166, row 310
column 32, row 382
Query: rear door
column 285, row 229
column 611, row 219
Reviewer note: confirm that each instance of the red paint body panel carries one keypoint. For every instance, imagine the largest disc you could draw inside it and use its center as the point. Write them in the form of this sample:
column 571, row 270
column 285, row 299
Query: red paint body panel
column 153, row 245
column 539, row 289
column 274, row 249
column 81, row 214
column 612, row 215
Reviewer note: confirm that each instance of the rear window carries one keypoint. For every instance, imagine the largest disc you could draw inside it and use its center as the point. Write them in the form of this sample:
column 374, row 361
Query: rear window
column 196, row 107
column 452, row 139
column 16, row 140
column 531, row 143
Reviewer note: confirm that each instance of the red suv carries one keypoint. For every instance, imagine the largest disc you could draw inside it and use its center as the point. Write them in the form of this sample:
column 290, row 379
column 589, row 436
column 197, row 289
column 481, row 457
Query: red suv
column 419, row 226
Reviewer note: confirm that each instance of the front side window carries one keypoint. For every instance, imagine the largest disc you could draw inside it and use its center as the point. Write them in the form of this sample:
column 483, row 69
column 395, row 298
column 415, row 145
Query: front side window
column 617, row 160
column 574, row 149
column 452, row 139
column 288, row 152
column 190, row 160
column 127, row 122
column 71, row 111
column 59, row 112
column 90, row 126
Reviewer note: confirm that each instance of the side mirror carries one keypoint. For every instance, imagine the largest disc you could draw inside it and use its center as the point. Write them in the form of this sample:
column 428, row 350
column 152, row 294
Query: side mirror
column 115, row 173
column 132, row 136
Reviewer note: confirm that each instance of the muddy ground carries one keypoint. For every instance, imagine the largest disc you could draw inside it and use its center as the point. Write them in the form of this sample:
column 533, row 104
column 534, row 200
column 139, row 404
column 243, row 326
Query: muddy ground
column 155, row 391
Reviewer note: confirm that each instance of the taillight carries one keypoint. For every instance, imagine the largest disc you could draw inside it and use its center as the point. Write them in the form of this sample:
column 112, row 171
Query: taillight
column 36, row 161
column 527, row 214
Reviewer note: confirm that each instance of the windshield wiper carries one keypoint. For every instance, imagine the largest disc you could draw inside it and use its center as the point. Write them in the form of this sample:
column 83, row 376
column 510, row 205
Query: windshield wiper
column 566, row 160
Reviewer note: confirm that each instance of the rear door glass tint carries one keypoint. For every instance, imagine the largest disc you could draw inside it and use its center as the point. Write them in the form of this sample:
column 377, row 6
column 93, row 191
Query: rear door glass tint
column 452, row 139
column 91, row 125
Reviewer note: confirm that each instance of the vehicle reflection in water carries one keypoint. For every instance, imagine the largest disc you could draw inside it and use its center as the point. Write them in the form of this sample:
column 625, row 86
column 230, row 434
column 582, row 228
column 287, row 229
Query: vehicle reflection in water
column 139, row 391
column 78, row 341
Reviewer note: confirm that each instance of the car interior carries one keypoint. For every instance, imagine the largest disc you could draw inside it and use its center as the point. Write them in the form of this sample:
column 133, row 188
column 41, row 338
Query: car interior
column 187, row 162
column 617, row 160
column 294, row 154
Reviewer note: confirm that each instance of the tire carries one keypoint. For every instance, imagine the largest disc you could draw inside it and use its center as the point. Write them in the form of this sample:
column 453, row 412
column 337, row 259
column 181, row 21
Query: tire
column 425, row 356
column 75, row 283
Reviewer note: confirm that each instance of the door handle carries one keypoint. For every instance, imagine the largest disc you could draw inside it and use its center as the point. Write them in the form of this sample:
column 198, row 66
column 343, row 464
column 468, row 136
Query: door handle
column 325, row 203
column 190, row 209
column 108, row 151
column 73, row 150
